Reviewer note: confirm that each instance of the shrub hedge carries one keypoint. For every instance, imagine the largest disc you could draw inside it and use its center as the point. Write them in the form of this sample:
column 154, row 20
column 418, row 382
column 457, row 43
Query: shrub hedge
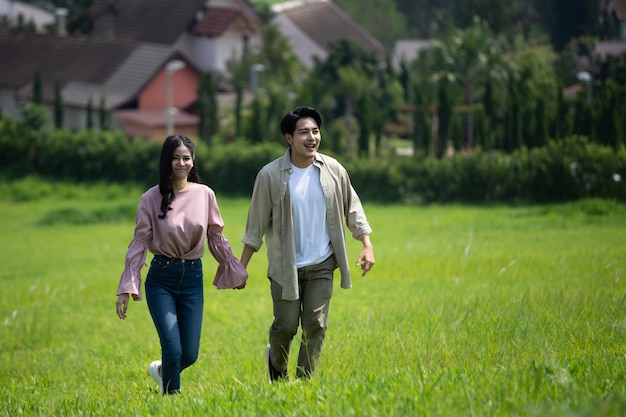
column 567, row 170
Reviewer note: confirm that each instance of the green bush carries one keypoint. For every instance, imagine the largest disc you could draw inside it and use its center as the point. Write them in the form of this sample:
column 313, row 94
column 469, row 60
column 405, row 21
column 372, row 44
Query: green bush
column 232, row 168
column 564, row 170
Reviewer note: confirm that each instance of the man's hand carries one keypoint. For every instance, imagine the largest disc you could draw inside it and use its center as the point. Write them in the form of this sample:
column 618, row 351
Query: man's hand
column 366, row 258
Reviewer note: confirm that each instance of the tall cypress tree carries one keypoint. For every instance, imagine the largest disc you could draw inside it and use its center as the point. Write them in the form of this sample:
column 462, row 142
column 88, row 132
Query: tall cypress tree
column 89, row 111
column 103, row 115
column 421, row 126
column 203, row 131
column 560, row 124
column 444, row 112
column 513, row 137
column 541, row 122
column 490, row 116
column 38, row 88
column 213, row 109
column 58, row 105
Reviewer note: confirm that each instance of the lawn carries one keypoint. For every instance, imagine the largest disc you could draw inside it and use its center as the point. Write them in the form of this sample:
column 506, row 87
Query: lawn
column 469, row 311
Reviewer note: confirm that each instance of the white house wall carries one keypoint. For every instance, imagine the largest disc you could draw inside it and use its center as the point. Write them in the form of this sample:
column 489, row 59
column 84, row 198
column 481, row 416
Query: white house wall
column 306, row 49
column 200, row 51
column 213, row 53
column 8, row 103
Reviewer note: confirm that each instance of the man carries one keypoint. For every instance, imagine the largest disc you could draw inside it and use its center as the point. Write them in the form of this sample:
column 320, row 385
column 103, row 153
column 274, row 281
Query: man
column 300, row 202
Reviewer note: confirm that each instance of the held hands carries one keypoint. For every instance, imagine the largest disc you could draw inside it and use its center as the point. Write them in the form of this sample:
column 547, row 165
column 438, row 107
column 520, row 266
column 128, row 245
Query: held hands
column 121, row 305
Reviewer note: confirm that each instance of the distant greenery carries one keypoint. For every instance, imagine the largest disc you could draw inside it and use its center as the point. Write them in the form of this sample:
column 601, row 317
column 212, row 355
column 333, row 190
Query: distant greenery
column 566, row 170
column 77, row 216
column 469, row 311
column 483, row 110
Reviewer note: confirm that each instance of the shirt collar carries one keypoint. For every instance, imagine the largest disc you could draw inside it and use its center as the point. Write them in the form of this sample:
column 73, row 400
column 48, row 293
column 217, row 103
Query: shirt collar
column 285, row 162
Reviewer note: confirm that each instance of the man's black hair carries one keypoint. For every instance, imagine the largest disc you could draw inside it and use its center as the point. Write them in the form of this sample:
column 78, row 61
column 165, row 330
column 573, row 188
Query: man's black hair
column 288, row 124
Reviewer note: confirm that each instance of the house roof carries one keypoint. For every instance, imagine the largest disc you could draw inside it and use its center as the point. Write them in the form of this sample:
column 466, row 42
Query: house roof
column 154, row 21
column 84, row 67
column 215, row 20
column 615, row 48
column 13, row 9
column 323, row 22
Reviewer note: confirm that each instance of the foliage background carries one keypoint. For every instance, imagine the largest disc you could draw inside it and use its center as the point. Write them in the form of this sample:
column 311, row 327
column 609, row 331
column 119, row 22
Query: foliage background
column 559, row 171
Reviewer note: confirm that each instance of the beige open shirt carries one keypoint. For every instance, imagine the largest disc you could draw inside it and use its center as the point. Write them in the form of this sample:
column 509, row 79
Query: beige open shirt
column 270, row 215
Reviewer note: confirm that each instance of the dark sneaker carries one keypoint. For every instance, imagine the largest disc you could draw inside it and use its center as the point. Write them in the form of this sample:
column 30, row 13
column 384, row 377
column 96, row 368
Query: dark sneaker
column 272, row 373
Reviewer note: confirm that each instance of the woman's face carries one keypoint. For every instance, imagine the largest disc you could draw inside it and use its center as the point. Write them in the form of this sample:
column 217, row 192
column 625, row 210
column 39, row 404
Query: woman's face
column 182, row 162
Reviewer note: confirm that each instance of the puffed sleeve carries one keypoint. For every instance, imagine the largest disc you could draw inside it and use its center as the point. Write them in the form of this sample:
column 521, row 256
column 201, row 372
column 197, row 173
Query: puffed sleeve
column 130, row 281
column 230, row 272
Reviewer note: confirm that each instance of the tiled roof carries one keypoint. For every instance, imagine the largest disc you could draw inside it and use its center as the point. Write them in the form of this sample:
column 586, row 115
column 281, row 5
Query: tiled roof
column 324, row 23
column 615, row 48
column 154, row 21
column 84, row 67
column 216, row 20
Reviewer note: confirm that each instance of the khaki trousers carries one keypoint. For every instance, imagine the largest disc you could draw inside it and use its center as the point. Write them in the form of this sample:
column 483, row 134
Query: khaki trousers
column 310, row 311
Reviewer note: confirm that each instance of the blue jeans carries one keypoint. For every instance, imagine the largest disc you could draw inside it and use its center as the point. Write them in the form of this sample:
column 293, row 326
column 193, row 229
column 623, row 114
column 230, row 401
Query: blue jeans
column 175, row 297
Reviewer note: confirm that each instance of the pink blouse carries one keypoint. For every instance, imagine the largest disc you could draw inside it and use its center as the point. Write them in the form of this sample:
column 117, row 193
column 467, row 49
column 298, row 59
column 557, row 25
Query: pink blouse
column 195, row 216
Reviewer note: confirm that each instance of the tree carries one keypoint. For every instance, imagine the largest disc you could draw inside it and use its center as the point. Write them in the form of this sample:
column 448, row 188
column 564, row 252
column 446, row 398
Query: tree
column 432, row 18
column 38, row 88
column 281, row 83
column 444, row 117
column 381, row 18
column 583, row 119
column 536, row 79
column 540, row 136
column 78, row 21
column 103, row 114
column 207, row 107
column 58, row 105
column 566, row 19
column 464, row 56
column 610, row 104
column 346, row 76
column 353, row 83
column 561, row 121
column 421, row 126
column 386, row 98
column 89, row 114
column 513, row 137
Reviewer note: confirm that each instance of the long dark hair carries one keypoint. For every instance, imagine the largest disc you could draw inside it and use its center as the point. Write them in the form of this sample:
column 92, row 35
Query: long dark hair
column 166, row 175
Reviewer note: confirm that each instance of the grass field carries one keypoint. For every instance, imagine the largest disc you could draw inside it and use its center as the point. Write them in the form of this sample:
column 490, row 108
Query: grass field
column 470, row 311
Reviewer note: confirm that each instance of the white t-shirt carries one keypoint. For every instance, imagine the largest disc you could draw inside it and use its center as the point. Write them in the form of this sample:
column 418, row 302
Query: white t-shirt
column 309, row 216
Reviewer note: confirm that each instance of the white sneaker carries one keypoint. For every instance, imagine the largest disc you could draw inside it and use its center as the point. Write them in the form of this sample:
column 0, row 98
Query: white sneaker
column 155, row 372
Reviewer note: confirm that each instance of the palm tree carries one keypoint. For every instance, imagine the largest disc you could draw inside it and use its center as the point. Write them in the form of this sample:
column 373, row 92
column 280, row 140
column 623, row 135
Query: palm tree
column 467, row 57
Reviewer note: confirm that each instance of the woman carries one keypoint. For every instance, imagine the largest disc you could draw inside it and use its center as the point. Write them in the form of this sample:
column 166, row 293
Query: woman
column 173, row 221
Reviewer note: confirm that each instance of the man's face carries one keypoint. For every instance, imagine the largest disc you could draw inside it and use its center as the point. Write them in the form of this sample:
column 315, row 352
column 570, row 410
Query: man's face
column 304, row 142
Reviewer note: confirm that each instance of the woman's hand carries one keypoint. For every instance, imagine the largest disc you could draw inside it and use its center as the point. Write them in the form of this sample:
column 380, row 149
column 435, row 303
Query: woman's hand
column 121, row 305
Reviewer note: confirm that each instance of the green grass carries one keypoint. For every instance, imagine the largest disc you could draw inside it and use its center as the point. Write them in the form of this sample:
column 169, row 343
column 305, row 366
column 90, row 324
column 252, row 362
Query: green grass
column 469, row 311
